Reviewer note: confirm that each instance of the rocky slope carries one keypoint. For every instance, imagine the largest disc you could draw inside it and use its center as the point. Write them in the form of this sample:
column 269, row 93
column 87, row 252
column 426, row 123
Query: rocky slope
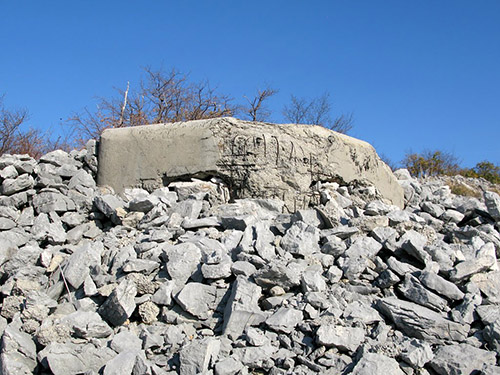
column 182, row 281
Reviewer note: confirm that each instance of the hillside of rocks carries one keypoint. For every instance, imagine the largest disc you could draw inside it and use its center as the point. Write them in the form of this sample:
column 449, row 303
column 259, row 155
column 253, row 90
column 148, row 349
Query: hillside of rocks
column 184, row 280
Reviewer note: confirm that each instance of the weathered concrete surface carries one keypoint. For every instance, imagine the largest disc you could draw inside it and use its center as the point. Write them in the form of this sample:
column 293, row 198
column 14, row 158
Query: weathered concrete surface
column 256, row 159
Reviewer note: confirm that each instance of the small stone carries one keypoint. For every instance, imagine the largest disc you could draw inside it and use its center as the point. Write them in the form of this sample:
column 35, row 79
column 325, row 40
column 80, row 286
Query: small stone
column 163, row 296
column 125, row 341
column 148, row 312
column 285, row 319
column 276, row 291
column 344, row 338
column 243, row 268
column 417, row 353
column 228, row 366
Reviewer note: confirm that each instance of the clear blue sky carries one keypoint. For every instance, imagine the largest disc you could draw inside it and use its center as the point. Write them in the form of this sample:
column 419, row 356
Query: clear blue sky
column 416, row 74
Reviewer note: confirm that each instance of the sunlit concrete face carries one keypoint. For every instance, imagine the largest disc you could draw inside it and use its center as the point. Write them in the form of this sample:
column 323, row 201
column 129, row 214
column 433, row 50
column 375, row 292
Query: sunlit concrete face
column 255, row 159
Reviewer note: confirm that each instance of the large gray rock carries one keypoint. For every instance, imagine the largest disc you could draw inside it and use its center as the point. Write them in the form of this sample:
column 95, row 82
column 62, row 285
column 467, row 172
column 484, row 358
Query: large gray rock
column 420, row 322
column 285, row 319
column 461, row 359
column 492, row 200
column 242, row 308
column 301, row 239
column 86, row 324
column 412, row 289
column 250, row 155
column 68, row 358
column 12, row 186
column 18, row 352
column 442, row 286
column 344, row 338
column 183, row 260
column 126, row 363
column 77, row 266
column 197, row 356
column 198, row 299
column 120, row 303
column 377, row 364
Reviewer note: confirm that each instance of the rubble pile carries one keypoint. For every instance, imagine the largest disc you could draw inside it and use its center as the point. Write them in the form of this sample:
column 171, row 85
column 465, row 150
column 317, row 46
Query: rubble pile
column 183, row 280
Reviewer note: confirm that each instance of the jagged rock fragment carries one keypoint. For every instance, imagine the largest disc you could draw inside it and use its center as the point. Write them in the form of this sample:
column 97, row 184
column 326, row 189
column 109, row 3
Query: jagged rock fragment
column 460, row 359
column 120, row 304
column 420, row 322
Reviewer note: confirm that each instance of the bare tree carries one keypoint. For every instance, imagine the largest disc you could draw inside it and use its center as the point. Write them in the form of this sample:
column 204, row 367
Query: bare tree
column 343, row 123
column 317, row 112
column 32, row 141
column 296, row 111
column 256, row 109
column 10, row 121
column 162, row 97
column 170, row 97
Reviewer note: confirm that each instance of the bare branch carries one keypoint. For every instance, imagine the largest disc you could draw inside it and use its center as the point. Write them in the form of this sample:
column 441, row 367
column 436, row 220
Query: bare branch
column 316, row 112
column 124, row 105
column 343, row 123
column 10, row 121
column 256, row 109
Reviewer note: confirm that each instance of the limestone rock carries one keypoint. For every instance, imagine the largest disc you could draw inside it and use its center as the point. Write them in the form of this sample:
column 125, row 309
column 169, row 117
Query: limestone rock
column 285, row 319
column 69, row 359
column 493, row 204
column 242, row 308
column 377, row 364
column 461, row 359
column 197, row 299
column 18, row 352
column 196, row 357
column 344, row 338
column 183, row 260
column 120, row 303
column 12, row 186
column 301, row 239
column 420, row 322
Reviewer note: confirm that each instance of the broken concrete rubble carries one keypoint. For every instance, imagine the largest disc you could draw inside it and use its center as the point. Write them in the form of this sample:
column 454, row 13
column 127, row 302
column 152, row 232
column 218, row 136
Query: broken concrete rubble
column 180, row 281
